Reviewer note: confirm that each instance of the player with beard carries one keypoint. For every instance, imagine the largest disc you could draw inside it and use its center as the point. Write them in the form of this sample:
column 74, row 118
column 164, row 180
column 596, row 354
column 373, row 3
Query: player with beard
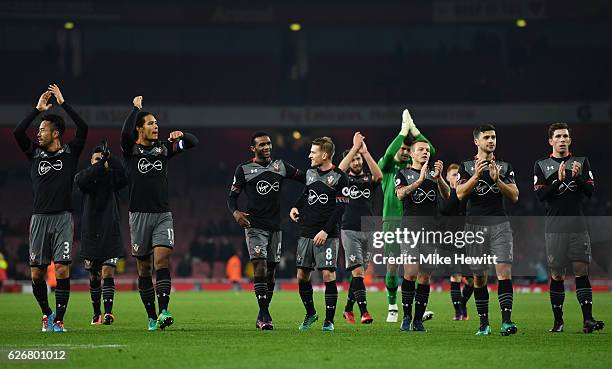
column 261, row 178
column 151, row 224
column 319, row 211
column 357, row 239
column 52, row 168
column 396, row 158
column 420, row 189
column 561, row 181
column 454, row 220
column 484, row 182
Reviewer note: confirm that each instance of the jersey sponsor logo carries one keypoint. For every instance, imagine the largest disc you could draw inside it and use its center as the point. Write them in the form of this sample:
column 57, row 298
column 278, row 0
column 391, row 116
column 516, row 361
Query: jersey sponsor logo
column 563, row 187
column 419, row 195
column 483, row 188
column 264, row 187
column 145, row 166
column 313, row 197
column 355, row 193
column 45, row 167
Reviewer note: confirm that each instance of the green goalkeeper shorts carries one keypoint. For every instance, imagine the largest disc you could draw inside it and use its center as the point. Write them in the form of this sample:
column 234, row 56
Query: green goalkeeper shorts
column 391, row 225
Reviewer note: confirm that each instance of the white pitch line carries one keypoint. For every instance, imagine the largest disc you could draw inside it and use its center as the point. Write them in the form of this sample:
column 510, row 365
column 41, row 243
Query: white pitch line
column 87, row 346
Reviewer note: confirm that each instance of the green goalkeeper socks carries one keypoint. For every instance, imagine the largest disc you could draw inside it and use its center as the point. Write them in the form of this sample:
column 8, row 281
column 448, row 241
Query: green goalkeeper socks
column 391, row 282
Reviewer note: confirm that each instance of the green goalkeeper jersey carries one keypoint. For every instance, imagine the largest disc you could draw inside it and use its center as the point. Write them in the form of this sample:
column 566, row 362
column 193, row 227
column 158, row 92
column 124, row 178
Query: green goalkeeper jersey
column 392, row 206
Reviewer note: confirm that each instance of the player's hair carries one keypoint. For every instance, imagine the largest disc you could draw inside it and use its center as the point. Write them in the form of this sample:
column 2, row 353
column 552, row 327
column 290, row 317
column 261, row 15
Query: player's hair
column 345, row 153
column 258, row 134
column 555, row 126
column 483, row 128
column 140, row 118
column 326, row 144
column 451, row 167
column 418, row 140
column 407, row 141
column 57, row 122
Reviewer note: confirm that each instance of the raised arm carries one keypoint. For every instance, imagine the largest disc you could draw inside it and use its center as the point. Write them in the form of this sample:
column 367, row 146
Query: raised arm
column 24, row 142
column 377, row 174
column 386, row 162
column 127, row 131
column 179, row 141
column 346, row 161
column 81, row 127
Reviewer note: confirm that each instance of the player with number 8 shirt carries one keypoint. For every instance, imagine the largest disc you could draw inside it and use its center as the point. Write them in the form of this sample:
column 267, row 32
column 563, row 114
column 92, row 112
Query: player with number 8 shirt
column 319, row 211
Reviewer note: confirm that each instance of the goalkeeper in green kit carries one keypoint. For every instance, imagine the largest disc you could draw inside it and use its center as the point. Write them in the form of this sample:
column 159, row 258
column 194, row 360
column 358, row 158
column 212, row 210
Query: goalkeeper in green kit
column 396, row 157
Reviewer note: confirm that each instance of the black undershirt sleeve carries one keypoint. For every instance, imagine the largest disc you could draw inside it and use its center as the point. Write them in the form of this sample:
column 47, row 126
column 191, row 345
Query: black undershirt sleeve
column 24, row 142
column 127, row 131
column 237, row 186
column 542, row 190
column 81, row 133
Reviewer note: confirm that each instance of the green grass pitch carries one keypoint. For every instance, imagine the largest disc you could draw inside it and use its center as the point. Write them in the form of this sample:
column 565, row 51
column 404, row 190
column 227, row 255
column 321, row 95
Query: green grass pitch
column 217, row 330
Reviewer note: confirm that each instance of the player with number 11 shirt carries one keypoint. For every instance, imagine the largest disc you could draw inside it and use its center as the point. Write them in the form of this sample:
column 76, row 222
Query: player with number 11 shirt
column 151, row 225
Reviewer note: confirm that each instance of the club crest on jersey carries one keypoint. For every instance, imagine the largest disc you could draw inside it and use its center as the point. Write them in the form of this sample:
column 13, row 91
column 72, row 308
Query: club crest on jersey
column 145, row 166
column 264, row 187
column 483, row 188
column 313, row 197
column 45, row 166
